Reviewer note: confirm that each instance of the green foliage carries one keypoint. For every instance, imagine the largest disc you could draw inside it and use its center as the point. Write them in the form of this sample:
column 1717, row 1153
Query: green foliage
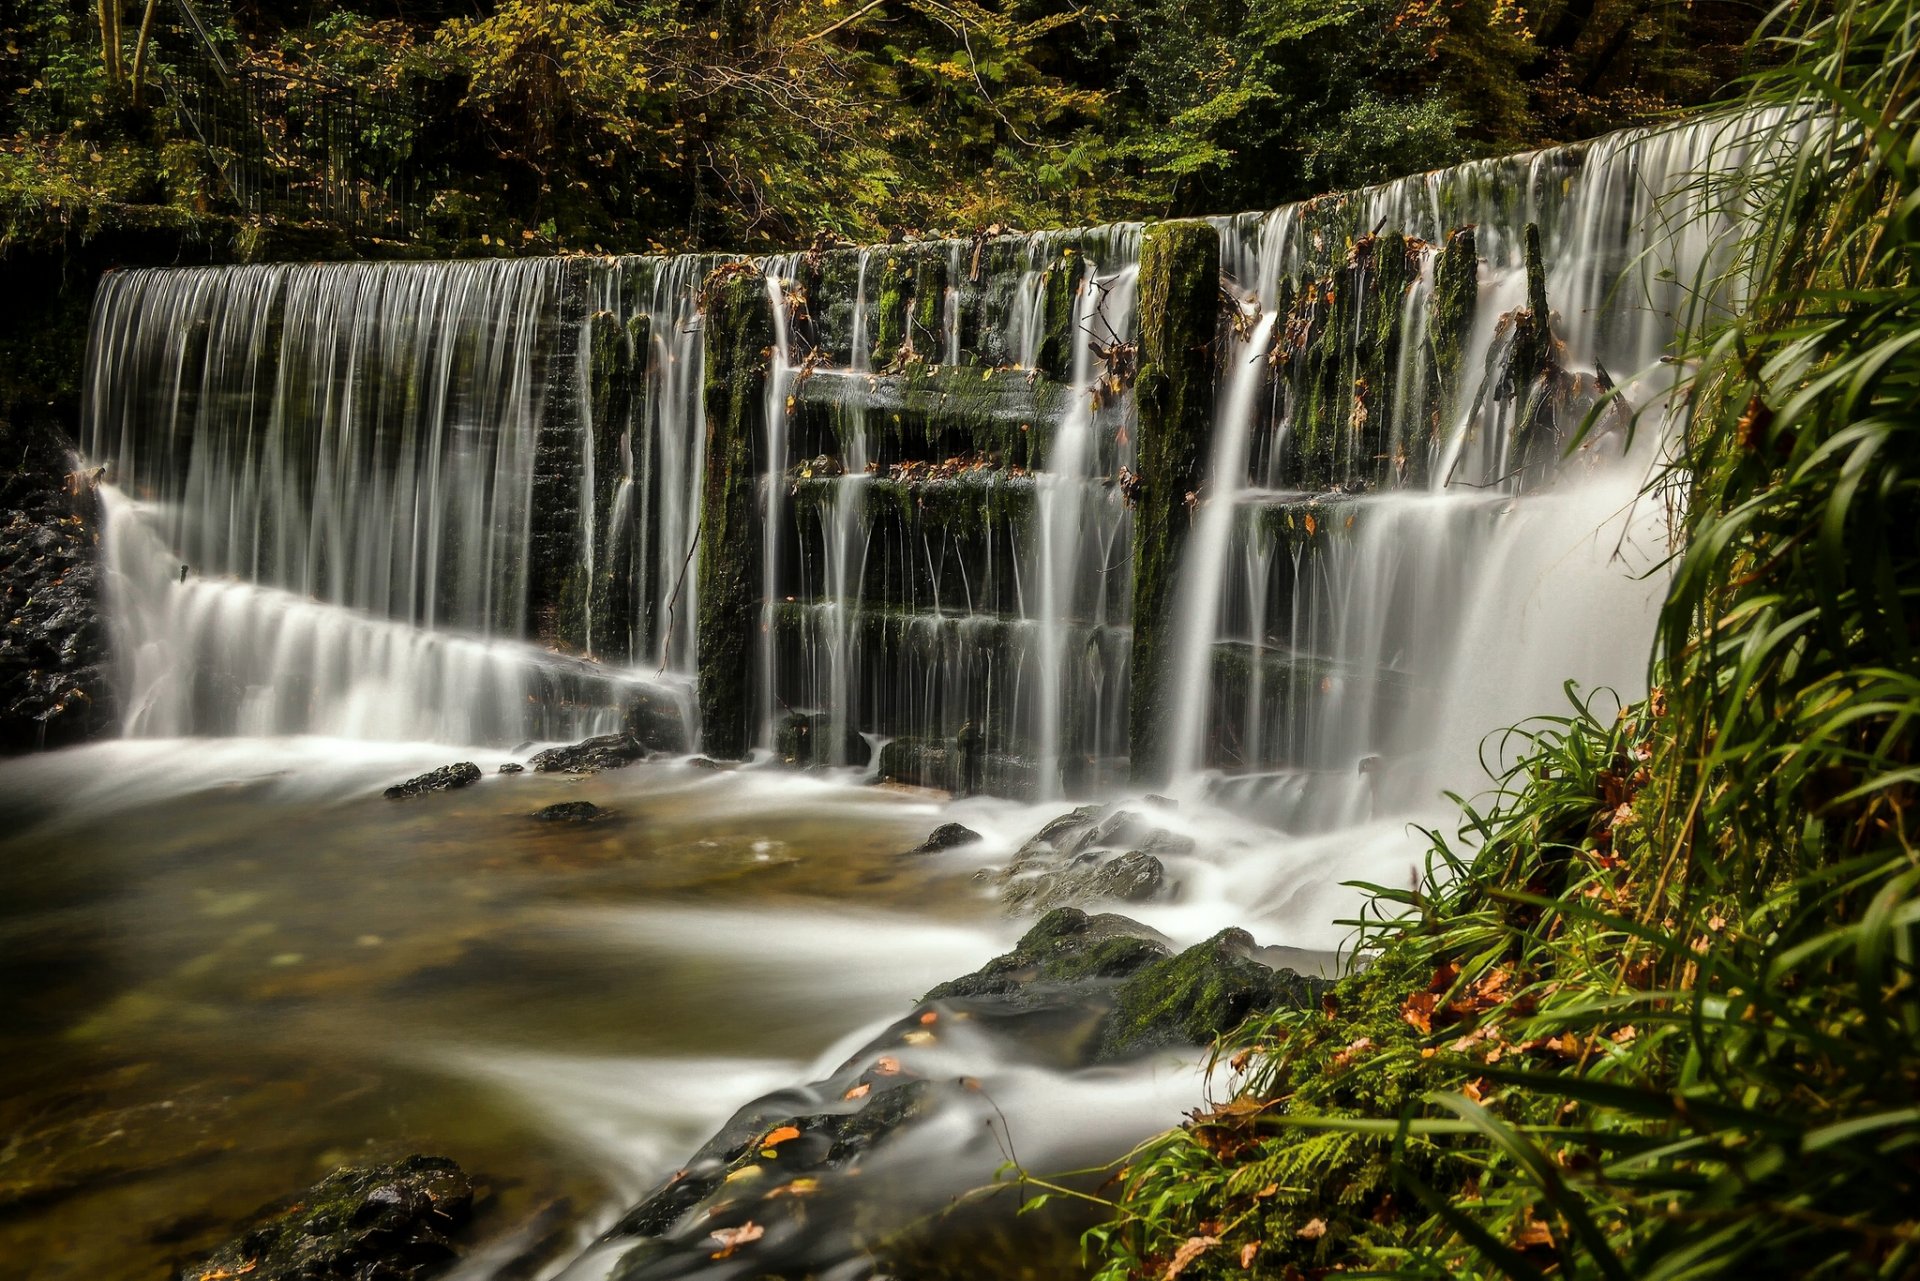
column 636, row 124
column 1661, row 1018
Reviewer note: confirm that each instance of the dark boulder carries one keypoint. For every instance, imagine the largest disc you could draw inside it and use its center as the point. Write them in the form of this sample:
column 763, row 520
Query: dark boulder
column 444, row 779
column 654, row 719
column 54, row 689
column 806, row 738
column 570, row 812
column 947, row 836
column 513, row 767
column 375, row 1223
column 589, row 756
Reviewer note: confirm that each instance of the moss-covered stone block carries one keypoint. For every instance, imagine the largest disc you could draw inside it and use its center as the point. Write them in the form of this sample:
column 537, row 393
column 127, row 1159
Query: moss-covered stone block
column 1179, row 295
column 738, row 339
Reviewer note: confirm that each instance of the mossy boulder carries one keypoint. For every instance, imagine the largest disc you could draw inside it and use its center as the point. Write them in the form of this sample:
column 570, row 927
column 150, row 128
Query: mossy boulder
column 375, row 1223
column 1064, row 949
column 1189, row 999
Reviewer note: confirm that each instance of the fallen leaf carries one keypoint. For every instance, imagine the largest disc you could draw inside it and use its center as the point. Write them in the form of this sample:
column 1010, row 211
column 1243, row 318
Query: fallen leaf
column 1534, row 1233
column 796, row 1187
column 732, row 1239
column 1314, row 1230
column 886, row 1065
column 1193, row 1249
column 776, row 1137
column 931, row 1016
column 1272, row 1189
column 918, row 1037
column 859, row 1091
column 1418, row 1011
column 1247, row 1252
column 1311, row 526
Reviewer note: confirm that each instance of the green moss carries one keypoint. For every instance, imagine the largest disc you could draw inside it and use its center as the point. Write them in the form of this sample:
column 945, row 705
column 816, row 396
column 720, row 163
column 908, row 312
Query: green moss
column 1208, row 990
column 1066, row 946
column 1456, row 295
column 890, row 311
column 929, row 300
column 1179, row 308
column 739, row 335
column 1062, row 287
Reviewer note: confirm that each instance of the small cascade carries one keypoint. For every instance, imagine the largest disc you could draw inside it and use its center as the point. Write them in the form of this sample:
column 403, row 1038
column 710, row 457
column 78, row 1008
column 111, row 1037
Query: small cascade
column 956, row 589
column 1391, row 558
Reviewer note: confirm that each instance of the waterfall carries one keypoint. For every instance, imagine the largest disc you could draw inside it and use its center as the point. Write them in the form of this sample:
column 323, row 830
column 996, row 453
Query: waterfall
column 1366, row 599
column 462, row 500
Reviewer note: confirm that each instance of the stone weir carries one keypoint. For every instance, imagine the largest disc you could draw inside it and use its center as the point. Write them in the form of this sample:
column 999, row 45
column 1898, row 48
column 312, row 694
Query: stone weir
column 1027, row 514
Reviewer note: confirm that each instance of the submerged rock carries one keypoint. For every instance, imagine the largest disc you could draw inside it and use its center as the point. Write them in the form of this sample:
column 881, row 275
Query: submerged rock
column 570, row 812
column 588, row 756
column 374, row 1223
column 947, row 836
column 444, row 779
column 512, row 767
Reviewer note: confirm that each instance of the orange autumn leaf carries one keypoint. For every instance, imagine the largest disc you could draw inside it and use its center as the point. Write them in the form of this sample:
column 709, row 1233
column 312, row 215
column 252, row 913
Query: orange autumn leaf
column 1313, row 1230
column 1418, row 1011
column 732, row 1239
column 887, row 1065
column 931, row 1016
column 1247, row 1252
column 776, row 1137
column 1311, row 526
column 859, row 1091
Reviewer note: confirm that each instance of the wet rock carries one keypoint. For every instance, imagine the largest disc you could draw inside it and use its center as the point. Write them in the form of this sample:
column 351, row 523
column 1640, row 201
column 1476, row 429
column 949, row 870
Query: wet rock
column 444, row 779
column 375, row 1223
column 1038, row 883
column 589, row 756
column 1068, row 824
column 1189, row 999
column 654, row 720
column 779, row 1186
column 1065, row 948
column 1134, row 877
column 1086, row 856
column 570, row 812
column 54, row 689
column 513, row 767
column 806, row 738
column 947, row 836
column 711, row 765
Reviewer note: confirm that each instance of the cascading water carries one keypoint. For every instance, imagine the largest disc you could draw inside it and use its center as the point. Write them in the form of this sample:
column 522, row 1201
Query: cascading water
column 1366, row 597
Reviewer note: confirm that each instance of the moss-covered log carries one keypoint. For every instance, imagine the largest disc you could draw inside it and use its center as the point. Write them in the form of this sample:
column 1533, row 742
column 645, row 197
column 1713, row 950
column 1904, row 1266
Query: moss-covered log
column 1179, row 311
column 739, row 336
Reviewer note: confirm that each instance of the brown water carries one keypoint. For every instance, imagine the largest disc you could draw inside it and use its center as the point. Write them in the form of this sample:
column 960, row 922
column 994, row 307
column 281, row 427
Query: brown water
column 228, row 966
